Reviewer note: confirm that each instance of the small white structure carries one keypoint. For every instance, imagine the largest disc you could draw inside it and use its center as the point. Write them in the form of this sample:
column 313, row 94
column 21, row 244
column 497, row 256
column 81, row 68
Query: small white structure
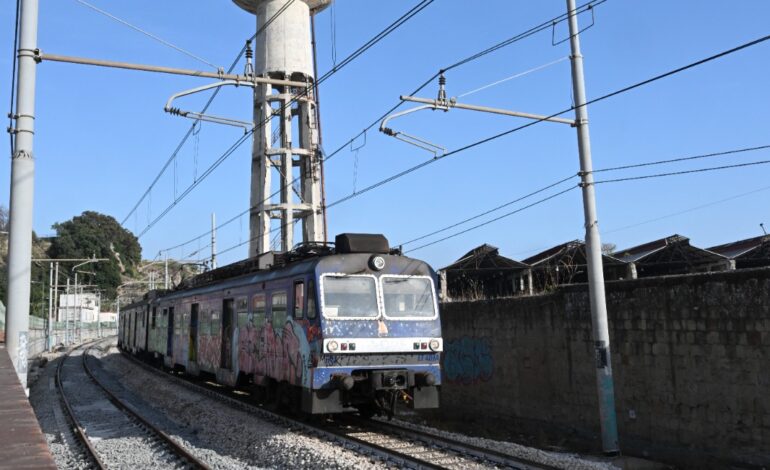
column 83, row 307
column 108, row 317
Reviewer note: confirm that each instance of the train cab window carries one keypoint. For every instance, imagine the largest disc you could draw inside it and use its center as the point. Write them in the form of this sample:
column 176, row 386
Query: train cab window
column 299, row 299
column 242, row 310
column 311, row 310
column 278, row 309
column 258, row 310
column 352, row 296
column 408, row 297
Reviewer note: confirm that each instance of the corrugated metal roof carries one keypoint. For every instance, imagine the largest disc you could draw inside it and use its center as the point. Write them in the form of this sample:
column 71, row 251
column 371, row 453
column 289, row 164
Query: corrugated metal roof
column 485, row 257
column 740, row 248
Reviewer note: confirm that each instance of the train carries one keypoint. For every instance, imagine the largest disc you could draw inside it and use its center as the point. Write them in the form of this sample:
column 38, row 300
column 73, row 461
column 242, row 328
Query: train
column 321, row 329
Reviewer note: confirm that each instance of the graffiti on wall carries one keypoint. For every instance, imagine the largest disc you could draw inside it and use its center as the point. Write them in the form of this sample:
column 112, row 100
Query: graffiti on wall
column 467, row 361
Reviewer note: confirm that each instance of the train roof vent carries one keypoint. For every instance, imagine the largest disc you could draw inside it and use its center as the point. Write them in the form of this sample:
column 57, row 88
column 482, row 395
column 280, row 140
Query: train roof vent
column 361, row 243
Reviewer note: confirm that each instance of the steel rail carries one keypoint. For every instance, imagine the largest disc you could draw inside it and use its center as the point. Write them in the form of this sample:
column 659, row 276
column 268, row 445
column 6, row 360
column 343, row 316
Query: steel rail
column 361, row 445
column 464, row 448
column 120, row 404
column 78, row 429
column 358, row 445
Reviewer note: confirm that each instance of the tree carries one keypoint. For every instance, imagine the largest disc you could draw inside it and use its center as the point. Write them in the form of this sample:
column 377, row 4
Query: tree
column 608, row 248
column 92, row 234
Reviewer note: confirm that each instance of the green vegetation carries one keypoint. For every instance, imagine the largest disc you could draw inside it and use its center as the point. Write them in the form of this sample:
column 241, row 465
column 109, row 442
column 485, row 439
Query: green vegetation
column 95, row 235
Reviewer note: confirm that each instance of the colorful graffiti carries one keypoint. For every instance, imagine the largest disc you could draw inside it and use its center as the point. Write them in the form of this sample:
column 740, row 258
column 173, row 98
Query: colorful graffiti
column 282, row 353
column 467, row 361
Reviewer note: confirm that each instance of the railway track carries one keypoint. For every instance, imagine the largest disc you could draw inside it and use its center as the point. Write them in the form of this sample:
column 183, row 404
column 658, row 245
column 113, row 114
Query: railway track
column 98, row 416
column 404, row 447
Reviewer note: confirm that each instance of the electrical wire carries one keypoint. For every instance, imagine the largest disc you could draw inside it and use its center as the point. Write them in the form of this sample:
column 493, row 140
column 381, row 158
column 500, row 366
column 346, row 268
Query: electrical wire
column 684, row 159
column 494, row 209
column 683, row 172
column 148, row 34
column 512, row 77
column 685, row 211
column 537, row 121
column 507, row 214
column 13, row 74
column 205, row 108
column 358, row 52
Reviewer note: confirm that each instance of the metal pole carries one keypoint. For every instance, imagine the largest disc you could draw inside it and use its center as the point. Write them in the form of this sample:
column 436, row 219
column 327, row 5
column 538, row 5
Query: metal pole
column 22, row 192
column 56, row 306
column 67, row 316
column 166, row 282
column 99, row 315
column 604, row 381
column 50, row 306
column 75, row 330
column 213, row 241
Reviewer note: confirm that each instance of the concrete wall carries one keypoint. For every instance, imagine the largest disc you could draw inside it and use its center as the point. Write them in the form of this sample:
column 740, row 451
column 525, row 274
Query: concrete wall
column 690, row 355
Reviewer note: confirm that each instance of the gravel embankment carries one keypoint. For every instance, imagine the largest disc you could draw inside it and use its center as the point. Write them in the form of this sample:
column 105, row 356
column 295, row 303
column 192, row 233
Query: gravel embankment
column 220, row 435
column 556, row 459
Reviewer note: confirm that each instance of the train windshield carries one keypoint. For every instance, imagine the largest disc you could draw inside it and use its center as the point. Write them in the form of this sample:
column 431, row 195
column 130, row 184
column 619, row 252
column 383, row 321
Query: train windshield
column 408, row 297
column 350, row 296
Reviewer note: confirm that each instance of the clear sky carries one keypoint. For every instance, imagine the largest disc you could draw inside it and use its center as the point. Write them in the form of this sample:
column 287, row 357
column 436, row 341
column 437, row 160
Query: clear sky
column 102, row 135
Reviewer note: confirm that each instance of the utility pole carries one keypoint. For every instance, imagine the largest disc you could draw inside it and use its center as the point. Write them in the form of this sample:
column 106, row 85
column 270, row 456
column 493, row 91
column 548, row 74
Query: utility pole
column 50, row 306
column 213, row 241
column 67, row 316
column 604, row 381
column 166, row 282
column 22, row 192
column 56, row 293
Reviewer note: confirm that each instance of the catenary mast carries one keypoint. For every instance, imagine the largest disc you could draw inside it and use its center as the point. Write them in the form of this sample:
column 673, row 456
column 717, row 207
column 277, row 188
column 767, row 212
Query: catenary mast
column 285, row 144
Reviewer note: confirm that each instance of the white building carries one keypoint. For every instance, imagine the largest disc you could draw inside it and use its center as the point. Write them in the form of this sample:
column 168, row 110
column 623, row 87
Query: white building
column 84, row 307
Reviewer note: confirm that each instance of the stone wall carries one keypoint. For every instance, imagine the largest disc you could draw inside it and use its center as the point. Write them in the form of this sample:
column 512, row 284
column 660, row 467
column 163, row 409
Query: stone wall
column 691, row 358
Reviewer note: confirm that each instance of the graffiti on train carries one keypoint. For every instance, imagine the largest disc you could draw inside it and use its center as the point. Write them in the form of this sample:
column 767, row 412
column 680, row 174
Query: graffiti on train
column 280, row 353
column 467, row 361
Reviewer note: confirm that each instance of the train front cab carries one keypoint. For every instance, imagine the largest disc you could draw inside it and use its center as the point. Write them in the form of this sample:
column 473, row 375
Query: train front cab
column 381, row 336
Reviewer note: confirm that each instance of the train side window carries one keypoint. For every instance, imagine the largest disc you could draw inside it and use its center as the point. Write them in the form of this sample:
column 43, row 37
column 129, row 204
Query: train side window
column 278, row 309
column 258, row 310
column 311, row 310
column 299, row 298
column 164, row 318
column 154, row 316
column 242, row 310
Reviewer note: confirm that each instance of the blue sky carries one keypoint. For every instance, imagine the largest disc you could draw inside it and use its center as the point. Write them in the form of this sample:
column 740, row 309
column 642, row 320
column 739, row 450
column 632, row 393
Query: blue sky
column 102, row 136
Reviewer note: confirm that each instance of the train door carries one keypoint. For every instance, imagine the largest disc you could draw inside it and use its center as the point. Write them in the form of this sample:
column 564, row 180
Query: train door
column 136, row 326
column 228, row 311
column 193, row 349
column 170, row 336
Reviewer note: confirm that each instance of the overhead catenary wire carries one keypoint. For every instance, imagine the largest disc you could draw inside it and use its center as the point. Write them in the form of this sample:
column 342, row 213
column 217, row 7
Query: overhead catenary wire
column 489, row 211
column 507, row 214
column 509, row 41
column 358, row 52
column 514, row 76
column 537, row 121
column 148, row 34
column 617, row 180
column 203, row 110
column 683, row 172
column 684, row 159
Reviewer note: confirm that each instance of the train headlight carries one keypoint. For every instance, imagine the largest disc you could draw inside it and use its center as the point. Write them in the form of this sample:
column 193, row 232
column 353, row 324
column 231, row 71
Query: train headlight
column 332, row 346
column 434, row 345
column 377, row 263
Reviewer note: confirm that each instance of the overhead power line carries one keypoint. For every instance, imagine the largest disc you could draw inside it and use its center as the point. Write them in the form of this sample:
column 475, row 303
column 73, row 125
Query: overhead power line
column 489, row 211
column 191, row 130
column 683, row 172
column 541, row 27
column 507, row 214
column 684, row 159
column 355, row 54
column 537, row 121
column 148, row 34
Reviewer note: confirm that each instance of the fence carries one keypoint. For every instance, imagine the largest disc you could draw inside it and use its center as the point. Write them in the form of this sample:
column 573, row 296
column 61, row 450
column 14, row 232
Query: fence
column 62, row 332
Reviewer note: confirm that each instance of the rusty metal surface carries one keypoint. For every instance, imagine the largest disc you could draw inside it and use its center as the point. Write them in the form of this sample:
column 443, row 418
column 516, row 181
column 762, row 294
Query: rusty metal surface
column 23, row 444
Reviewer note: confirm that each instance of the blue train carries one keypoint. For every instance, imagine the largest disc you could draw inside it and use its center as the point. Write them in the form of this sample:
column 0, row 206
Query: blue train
column 323, row 330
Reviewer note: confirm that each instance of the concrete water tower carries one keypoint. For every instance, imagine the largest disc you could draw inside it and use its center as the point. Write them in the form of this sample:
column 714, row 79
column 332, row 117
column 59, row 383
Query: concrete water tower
column 284, row 50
